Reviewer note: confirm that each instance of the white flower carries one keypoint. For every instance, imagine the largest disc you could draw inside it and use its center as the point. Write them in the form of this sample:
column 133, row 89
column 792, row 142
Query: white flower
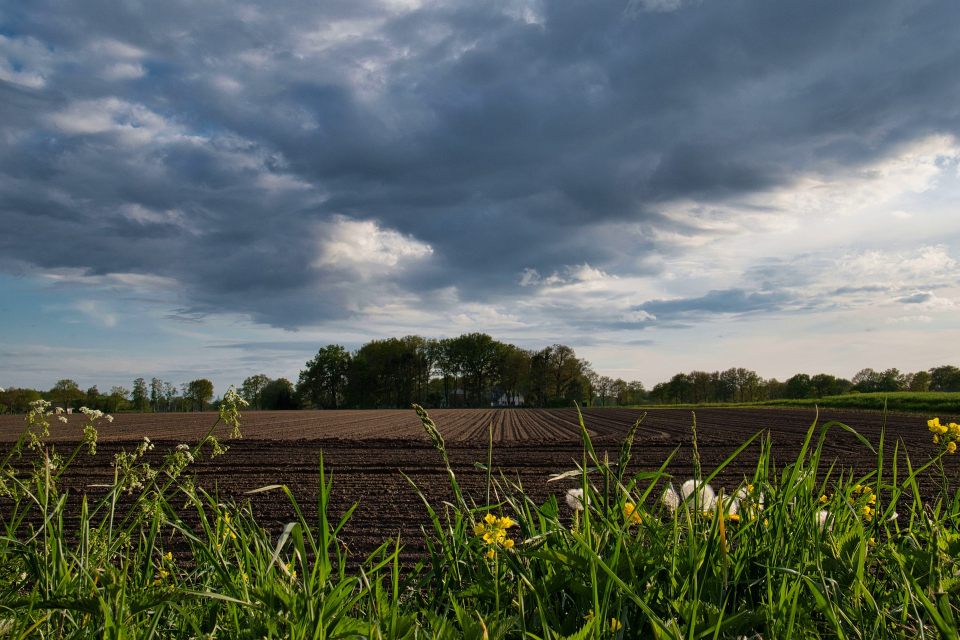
column 893, row 517
column 62, row 419
column 706, row 496
column 182, row 447
column 575, row 499
column 109, row 418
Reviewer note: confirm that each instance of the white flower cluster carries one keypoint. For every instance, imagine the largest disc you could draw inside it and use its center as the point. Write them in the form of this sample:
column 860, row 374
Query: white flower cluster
column 95, row 414
column 575, row 499
column 147, row 445
column 706, row 497
column 186, row 452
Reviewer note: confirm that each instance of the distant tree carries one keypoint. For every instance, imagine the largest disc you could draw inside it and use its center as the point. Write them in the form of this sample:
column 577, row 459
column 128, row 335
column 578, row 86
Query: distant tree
column 252, row 387
column 323, row 382
column 604, row 389
column 15, row 400
column 119, row 399
column 824, row 384
column 700, row 386
column 621, row 391
column 945, row 378
column 141, row 395
column 681, row 388
column 170, row 395
column 919, row 381
column 660, row 393
column 798, row 387
column 773, row 389
column 636, row 394
column 65, row 392
column 279, row 395
column 156, row 394
column 199, row 392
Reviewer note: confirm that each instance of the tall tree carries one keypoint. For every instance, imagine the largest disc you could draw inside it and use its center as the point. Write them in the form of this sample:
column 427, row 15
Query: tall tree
column 323, row 382
column 141, row 395
column 65, row 392
column 199, row 392
column 252, row 388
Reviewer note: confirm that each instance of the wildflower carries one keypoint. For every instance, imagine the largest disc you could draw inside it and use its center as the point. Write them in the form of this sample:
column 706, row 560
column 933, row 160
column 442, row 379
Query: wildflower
column 615, row 625
column 734, row 517
column 630, row 513
column 493, row 530
column 245, row 578
column 705, row 496
column 951, row 447
column 575, row 499
column 589, row 616
column 491, row 554
column 871, row 542
column 508, row 544
column 936, row 439
column 168, row 557
column 824, row 499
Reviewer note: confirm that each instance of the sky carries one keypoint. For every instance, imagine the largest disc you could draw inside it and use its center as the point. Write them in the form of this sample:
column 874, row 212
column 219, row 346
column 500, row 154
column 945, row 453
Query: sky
column 218, row 189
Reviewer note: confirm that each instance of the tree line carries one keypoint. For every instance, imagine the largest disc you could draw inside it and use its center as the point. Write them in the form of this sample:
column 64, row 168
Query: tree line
column 471, row 370
column 743, row 385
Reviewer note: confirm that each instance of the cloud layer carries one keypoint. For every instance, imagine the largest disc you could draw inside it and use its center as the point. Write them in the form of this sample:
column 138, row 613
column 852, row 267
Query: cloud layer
column 570, row 171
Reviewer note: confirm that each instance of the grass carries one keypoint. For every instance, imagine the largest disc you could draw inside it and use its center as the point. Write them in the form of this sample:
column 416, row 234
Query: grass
column 927, row 403
column 802, row 550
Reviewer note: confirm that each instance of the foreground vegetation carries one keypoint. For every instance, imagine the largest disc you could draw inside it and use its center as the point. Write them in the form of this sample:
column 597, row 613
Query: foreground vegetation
column 803, row 550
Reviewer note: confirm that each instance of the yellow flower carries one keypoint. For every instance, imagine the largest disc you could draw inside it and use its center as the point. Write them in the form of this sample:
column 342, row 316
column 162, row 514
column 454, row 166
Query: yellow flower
column 954, row 430
column 157, row 582
column 508, row 544
column 734, row 517
column 245, row 578
column 479, row 530
column 293, row 575
column 168, row 557
column 951, row 447
column 630, row 513
column 749, row 488
column 288, row 566
column 824, row 499
column 505, row 522
column 163, row 574
column 934, row 425
column 491, row 554
column 589, row 616
column 615, row 625
column 873, row 499
column 936, row 439
column 871, row 542
column 490, row 518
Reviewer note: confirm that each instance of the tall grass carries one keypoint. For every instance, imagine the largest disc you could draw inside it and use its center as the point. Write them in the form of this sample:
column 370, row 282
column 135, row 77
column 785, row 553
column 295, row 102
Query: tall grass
column 802, row 550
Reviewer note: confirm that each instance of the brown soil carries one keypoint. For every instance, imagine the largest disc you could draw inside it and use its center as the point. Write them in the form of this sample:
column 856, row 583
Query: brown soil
column 367, row 450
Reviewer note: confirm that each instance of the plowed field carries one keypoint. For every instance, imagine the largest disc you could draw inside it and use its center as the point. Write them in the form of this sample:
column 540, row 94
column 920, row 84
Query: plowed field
column 367, row 450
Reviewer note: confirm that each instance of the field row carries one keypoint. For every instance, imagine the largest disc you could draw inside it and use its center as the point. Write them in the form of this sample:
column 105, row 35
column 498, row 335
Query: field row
column 467, row 425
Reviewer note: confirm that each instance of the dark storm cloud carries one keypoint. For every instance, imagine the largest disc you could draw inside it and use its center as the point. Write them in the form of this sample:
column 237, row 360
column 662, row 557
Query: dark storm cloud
column 211, row 145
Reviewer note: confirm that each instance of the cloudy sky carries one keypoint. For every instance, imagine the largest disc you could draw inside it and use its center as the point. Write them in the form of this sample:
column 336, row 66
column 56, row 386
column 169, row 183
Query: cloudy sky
column 219, row 188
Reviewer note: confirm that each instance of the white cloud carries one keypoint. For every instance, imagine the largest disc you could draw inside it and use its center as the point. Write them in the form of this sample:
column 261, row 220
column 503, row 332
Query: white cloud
column 25, row 61
column 93, row 311
column 132, row 123
column 906, row 319
column 638, row 316
column 364, row 246
column 124, row 71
